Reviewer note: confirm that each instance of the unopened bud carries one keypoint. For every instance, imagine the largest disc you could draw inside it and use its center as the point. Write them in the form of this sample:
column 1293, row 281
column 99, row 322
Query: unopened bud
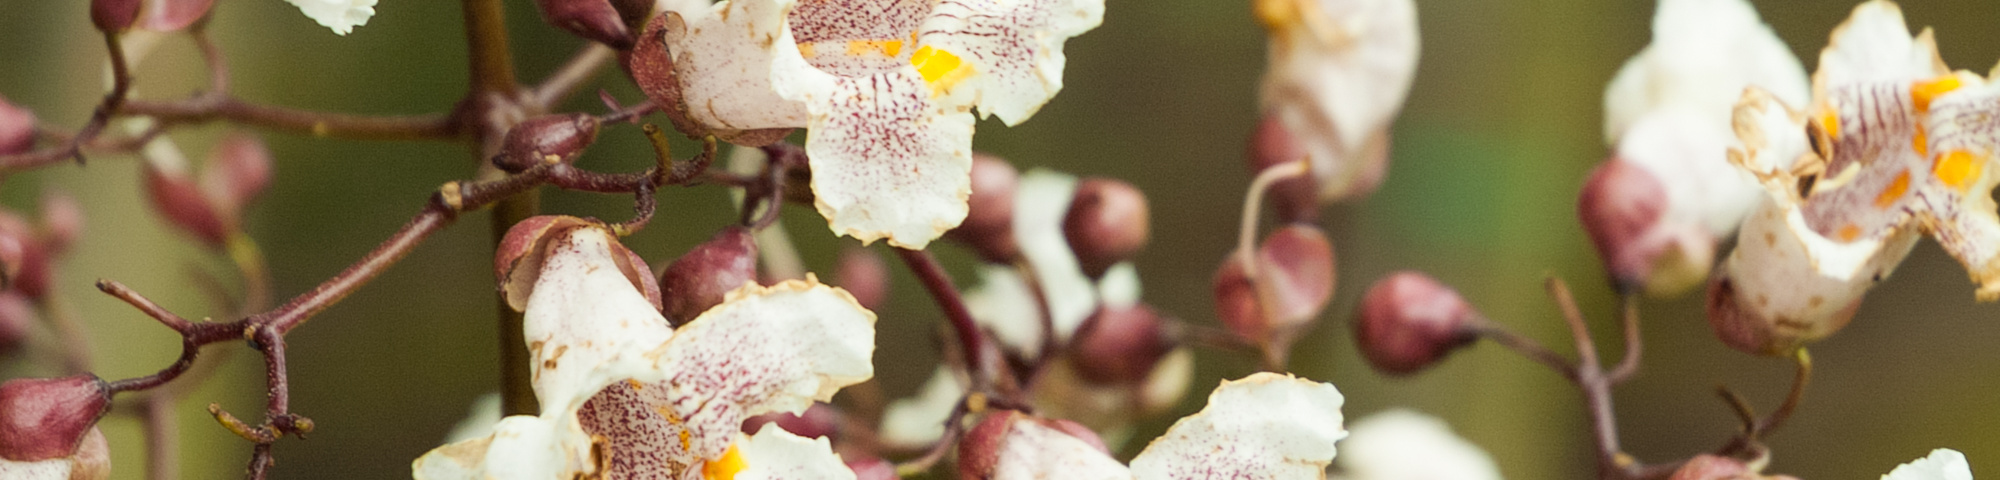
column 1107, row 223
column 172, row 15
column 1294, row 199
column 1408, row 321
column 17, row 128
column 989, row 220
column 591, row 19
column 28, row 268
column 862, row 273
column 980, row 450
column 17, row 318
column 44, row 418
column 517, row 260
column 867, row 467
column 176, row 197
column 699, row 279
column 1288, row 287
column 819, row 420
column 1121, row 345
column 114, row 15
column 548, row 138
column 62, row 220
column 1623, row 208
column 238, row 170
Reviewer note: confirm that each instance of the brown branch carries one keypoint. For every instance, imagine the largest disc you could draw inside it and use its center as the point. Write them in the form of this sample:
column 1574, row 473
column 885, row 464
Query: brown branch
column 491, row 62
column 1629, row 365
column 217, row 106
column 121, row 84
column 972, row 342
column 564, row 82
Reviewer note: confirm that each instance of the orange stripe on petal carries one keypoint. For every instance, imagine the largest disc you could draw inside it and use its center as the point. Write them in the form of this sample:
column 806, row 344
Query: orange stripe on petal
column 1923, row 91
column 1896, row 189
column 1958, row 168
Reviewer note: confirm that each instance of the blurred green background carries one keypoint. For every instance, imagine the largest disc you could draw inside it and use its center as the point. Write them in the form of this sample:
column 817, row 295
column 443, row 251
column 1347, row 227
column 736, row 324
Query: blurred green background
column 1499, row 131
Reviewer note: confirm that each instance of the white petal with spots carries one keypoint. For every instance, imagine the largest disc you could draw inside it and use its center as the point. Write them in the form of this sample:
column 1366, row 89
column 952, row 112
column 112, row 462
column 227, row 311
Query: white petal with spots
column 723, row 59
column 1033, row 451
column 340, row 15
column 1339, row 72
column 1011, row 50
column 1942, row 464
column 775, row 454
column 1265, row 426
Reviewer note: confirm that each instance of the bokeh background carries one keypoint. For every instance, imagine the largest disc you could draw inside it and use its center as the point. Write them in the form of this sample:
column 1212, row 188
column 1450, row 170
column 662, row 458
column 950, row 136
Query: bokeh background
column 1500, row 129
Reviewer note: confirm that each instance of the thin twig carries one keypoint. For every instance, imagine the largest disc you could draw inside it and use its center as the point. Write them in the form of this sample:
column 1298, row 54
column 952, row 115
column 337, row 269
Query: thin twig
column 580, row 68
column 971, row 340
column 1629, row 365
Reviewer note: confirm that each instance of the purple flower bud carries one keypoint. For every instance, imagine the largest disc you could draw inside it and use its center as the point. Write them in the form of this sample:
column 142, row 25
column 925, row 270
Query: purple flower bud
column 989, row 220
column 1623, row 208
column 114, row 15
column 819, row 420
column 1289, row 287
column 172, row 15
column 1294, row 199
column 17, row 318
column 699, row 279
column 517, row 261
column 238, row 170
column 591, row 19
column 44, row 418
column 176, row 198
column 1120, row 345
column 1107, row 223
column 979, row 450
column 62, row 220
column 533, row 141
column 17, row 128
column 1407, row 321
column 28, row 268
column 862, row 273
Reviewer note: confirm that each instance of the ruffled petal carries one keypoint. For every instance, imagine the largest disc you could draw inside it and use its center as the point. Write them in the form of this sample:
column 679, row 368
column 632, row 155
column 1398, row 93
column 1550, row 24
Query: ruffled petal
column 340, row 15
column 1955, row 199
column 1034, row 451
column 1339, row 72
column 1403, row 445
column 775, row 454
column 1005, row 57
column 887, row 161
column 762, row 350
column 521, row 447
column 1873, row 45
column 722, row 59
column 1702, row 55
column 1942, row 464
column 1265, row 426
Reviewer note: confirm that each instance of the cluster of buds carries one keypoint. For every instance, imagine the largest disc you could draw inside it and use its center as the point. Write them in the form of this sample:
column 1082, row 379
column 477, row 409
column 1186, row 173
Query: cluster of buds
column 48, row 428
column 209, row 207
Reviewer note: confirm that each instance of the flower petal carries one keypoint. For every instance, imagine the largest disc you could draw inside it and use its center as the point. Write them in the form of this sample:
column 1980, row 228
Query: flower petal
column 1942, row 464
column 763, row 350
column 1034, row 451
column 1265, row 426
column 1955, row 194
column 521, row 447
column 340, row 15
column 917, row 422
column 1004, row 305
column 776, row 454
column 585, row 323
column 1339, row 72
column 1005, row 57
column 722, row 58
column 1403, row 444
column 887, row 160
column 1702, row 55
column 1873, row 45
column 1041, row 201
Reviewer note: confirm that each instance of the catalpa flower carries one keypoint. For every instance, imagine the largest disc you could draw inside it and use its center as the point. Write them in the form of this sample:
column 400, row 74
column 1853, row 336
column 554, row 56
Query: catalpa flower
column 1895, row 146
column 1406, row 445
column 1266, row 425
column 1942, row 464
column 885, row 89
column 624, row 395
column 1339, row 72
column 1656, row 210
column 340, row 15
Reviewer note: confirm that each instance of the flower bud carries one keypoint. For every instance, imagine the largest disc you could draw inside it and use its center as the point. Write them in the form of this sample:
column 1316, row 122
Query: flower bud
column 44, row 418
column 62, row 220
column 862, row 273
column 1290, row 285
column 238, row 170
column 1120, row 345
column 870, row 468
column 176, row 197
column 172, row 15
column 980, row 450
column 699, row 279
column 1107, row 223
column 533, row 141
column 1623, row 209
column 13, row 253
column 17, row 318
column 1711, row 467
column 114, row 15
column 1408, row 321
column 17, row 129
column 517, row 261
column 591, row 19
column 1293, row 199
column 26, row 255
column 989, row 220
column 819, row 420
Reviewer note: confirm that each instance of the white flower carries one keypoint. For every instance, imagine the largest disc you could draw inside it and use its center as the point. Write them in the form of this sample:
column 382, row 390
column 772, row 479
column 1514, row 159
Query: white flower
column 1668, row 113
column 1405, row 445
column 90, row 461
column 1894, row 146
column 340, row 15
column 885, row 89
column 665, row 403
column 1942, row 464
column 1339, row 72
column 1266, row 425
